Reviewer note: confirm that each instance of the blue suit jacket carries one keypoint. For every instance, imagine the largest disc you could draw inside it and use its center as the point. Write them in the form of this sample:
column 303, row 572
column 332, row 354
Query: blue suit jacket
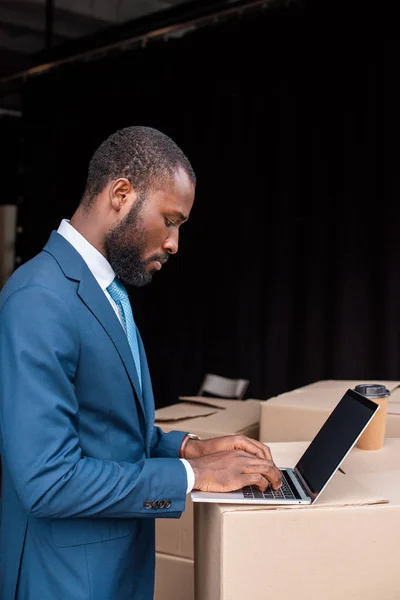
column 85, row 472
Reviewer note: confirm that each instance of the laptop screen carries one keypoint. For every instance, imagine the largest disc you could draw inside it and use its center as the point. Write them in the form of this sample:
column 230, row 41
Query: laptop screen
column 334, row 440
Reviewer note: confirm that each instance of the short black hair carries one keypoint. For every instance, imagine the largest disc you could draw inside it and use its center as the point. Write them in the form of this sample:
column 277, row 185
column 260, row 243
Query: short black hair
column 143, row 155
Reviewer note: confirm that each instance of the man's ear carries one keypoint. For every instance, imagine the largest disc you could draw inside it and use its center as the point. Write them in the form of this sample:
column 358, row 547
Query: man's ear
column 121, row 193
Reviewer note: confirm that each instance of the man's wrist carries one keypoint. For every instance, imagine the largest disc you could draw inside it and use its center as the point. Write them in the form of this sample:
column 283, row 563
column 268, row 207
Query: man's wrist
column 196, row 475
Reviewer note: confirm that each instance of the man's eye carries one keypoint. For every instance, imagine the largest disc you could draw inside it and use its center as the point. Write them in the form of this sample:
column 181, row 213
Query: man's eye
column 168, row 223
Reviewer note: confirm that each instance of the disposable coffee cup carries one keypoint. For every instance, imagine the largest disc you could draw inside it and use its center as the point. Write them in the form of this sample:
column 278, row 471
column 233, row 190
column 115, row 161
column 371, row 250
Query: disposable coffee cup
column 374, row 435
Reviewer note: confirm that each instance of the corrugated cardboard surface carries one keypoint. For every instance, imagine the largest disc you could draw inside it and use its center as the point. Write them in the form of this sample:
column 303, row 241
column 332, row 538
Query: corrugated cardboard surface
column 175, row 536
column 8, row 221
column 344, row 546
column 207, row 417
column 174, row 578
column 211, row 417
column 298, row 415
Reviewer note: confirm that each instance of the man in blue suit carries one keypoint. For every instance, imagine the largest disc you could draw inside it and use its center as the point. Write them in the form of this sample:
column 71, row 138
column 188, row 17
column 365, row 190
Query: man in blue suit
column 85, row 472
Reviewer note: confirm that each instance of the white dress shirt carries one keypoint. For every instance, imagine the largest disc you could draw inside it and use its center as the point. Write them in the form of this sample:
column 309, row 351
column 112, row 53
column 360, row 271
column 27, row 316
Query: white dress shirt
column 104, row 274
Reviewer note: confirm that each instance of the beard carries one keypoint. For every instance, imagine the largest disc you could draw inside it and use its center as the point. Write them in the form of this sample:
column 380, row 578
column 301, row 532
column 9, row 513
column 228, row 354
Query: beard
column 126, row 256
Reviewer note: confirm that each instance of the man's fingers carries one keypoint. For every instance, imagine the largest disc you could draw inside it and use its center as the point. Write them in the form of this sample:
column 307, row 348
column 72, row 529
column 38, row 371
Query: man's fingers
column 253, row 446
column 275, row 476
column 242, row 442
column 267, row 451
column 249, row 463
column 255, row 479
column 265, row 468
column 256, row 449
column 264, row 449
column 232, row 454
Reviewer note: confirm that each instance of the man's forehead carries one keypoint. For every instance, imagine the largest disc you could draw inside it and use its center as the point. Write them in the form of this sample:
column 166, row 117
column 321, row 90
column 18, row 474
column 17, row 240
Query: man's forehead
column 178, row 198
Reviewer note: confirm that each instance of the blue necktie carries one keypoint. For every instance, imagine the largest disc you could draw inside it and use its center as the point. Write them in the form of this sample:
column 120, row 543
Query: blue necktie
column 120, row 296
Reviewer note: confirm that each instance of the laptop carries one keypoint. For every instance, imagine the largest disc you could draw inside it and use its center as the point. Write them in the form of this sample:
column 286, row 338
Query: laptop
column 306, row 481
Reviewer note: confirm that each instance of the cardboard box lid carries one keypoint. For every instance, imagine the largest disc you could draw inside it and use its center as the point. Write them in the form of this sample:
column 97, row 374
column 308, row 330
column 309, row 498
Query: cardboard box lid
column 377, row 469
column 344, row 490
column 375, row 461
column 199, row 414
column 180, row 412
column 395, row 397
column 194, row 406
column 215, row 402
column 345, row 384
column 326, row 394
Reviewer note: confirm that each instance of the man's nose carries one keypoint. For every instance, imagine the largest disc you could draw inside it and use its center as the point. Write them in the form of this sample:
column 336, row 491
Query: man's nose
column 171, row 244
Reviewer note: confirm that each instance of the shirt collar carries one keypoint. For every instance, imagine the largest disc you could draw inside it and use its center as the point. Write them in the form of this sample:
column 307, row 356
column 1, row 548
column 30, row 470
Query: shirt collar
column 101, row 269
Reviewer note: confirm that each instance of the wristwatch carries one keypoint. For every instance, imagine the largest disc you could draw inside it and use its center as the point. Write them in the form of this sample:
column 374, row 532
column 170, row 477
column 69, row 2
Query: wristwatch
column 188, row 436
column 193, row 436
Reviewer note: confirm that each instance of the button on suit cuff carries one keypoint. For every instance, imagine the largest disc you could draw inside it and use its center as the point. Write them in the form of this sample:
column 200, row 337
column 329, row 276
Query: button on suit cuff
column 189, row 474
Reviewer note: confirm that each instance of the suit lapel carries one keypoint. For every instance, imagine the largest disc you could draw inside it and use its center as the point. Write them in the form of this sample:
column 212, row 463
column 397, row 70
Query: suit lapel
column 94, row 298
column 74, row 267
column 148, row 398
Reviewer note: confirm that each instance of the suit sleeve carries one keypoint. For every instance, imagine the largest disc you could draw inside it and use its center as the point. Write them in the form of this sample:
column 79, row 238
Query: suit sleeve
column 39, row 424
column 166, row 444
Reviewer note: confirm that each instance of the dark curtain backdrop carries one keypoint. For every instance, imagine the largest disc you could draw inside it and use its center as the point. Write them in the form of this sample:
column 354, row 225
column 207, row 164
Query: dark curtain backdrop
column 288, row 269
column 10, row 153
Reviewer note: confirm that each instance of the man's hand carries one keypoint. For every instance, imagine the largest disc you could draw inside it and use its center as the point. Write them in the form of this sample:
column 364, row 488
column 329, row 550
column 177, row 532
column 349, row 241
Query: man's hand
column 197, row 448
column 227, row 471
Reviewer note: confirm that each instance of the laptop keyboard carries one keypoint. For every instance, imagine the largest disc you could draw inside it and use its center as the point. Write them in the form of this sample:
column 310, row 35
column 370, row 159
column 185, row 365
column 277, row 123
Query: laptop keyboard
column 284, row 493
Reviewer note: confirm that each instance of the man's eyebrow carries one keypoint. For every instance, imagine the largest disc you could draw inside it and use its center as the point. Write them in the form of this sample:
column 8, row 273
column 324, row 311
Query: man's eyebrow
column 183, row 218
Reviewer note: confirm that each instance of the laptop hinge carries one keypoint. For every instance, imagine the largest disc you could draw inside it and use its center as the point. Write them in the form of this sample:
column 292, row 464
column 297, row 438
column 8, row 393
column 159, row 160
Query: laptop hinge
column 304, row 484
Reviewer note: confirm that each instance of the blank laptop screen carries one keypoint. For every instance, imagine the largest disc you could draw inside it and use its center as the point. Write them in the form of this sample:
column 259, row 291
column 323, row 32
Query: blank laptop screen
column 335, row 439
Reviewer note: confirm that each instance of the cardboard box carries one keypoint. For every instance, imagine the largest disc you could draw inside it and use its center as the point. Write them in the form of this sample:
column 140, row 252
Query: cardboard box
column 207, row 417
column 211, row 417
column 298, row 415
column 343, row 546
column 8, row 222
column 175, row 536
column 174, row 578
